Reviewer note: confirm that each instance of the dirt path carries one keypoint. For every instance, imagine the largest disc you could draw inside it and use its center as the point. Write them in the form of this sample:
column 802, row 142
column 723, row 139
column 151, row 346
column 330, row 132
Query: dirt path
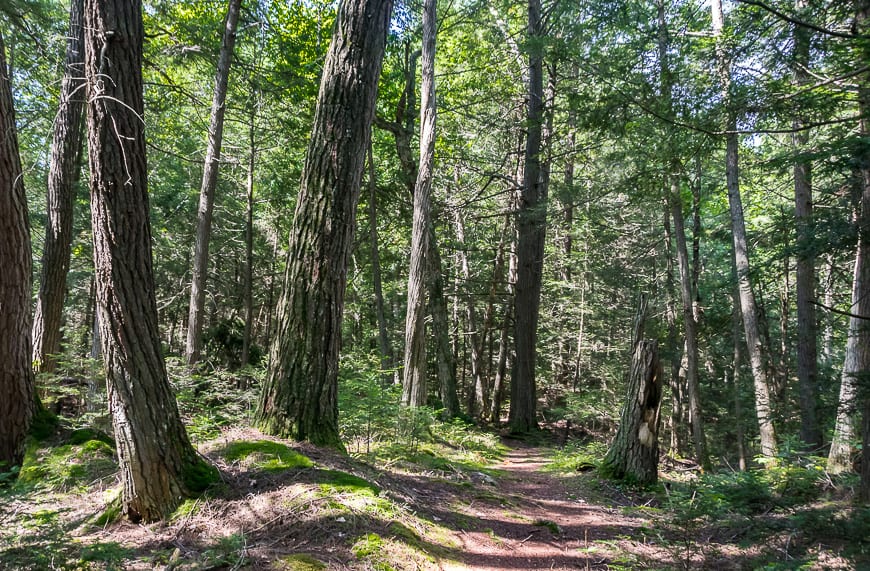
column 529, row 519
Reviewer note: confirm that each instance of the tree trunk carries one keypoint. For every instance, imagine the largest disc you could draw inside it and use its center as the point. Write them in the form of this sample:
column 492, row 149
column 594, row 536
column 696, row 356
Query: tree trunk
column 157, row 463
column 248, row 278
column 383, row 338
column 444, row 356
column 16, row 374
column 531, row 232
column 414, row 383
column 741, row 255
column 634, row 454
column 209, row 183
column 63, row 175
column 299, row 397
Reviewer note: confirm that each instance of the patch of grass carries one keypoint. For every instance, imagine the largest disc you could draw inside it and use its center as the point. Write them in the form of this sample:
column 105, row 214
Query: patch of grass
column 298, row 562
column 229, row 551
column 577, row 456
column 67, row 467
column 187, row 508
column 367, row 546
column 110, row 554
column 266, row 455
column 111, row 514
column 85, row 435
column 336, row 481
column 552, row 526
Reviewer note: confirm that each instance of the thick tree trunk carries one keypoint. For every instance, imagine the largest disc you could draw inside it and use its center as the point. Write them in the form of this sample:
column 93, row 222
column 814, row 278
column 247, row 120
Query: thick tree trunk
column 158, row 464
column 531, row 233
column 748, row 306
column 299, row 397
column 414, row 382
column 16, row 374
column 209, row 183
column 383, row 338
column 63, row 175
column 634, row 454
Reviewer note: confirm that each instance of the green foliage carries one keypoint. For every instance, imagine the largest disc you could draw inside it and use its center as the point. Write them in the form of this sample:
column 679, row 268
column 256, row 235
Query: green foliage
column 266, row 455
column 69, row 466
column 43, row 424
column 368, row 406
column 199, row 475
column 370, row 545
column 578, row 456
column 228, row 551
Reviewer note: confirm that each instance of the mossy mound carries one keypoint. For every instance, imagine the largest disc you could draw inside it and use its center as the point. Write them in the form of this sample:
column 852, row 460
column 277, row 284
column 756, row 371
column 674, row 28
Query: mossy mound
column 298, row 562
column 265, row 455
column 337, row 481
column 68, row 466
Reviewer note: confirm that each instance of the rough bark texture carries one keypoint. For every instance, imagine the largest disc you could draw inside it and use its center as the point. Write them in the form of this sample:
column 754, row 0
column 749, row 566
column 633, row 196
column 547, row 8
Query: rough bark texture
column 16, row 375
column 531, row 232
column 415, row 372
column 299, row 397
column 63, row 175
column 748, row 306
column 805, row 273
column 248, row 274
column 157, row 463
column 209, row 183
column 634, row 454
column 444, row 356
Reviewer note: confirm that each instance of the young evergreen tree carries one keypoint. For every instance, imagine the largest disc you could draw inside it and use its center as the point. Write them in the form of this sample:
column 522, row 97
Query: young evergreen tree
column 16, row 374
column 158, row 465
column 299, row 396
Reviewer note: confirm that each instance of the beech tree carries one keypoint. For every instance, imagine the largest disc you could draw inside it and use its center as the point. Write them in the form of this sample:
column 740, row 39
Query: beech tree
column 158, row 465
column 299, row 395
column 16, row 375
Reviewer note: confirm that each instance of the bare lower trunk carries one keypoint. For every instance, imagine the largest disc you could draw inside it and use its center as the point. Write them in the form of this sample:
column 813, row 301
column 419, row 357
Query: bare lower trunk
column 383, row 338
column 63, row 176
column 248, row 281
column 16, row 375
column 299, row 396
column 209, row 183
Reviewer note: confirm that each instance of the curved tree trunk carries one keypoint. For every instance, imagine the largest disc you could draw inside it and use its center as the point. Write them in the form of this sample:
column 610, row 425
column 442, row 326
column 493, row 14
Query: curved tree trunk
column 209, row 183
column 63, row 175
column 634, row 454
column 299, row 397
column 748, row 306
column 531, row 232
column 158, row 464
column 16, row 374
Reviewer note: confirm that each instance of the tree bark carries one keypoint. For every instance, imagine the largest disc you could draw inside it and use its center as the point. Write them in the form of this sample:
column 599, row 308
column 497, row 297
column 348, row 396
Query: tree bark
column 741, row 255
column 16, row 375
column 248, row 277
column 634, row 454
column 209, row 183
column 531, row 233
column 157, row 463
column 63, row 175
column 299, row 397
column 414, row 382
column 383, row 337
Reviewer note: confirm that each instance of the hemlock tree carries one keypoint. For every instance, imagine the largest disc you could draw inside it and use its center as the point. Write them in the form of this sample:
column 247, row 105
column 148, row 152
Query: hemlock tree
column 158, row 465
column 63, row 175
column 209, row 183
column 531, row 231
column 414, row 382
column 16, row 375
column 299, row 397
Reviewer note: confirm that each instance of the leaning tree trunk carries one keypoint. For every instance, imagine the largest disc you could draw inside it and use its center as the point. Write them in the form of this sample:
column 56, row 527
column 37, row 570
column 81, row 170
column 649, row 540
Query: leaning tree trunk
column 16, row 375
column 531, row 232
column 414, row 383
column 299, row 397
column 634, row 454
column 157, row 463
column 63, row 175
column 748, row 306
column 209, row 183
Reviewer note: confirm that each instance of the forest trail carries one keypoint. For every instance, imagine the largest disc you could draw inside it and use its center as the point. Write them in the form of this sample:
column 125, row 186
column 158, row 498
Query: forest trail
column 528, row 519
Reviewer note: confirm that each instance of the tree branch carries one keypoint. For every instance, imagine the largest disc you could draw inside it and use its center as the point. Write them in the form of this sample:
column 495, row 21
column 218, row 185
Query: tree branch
column 841, row 312
column 802, row 23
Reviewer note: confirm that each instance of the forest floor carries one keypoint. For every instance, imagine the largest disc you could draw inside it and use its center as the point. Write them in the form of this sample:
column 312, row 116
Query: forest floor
column 294, row 507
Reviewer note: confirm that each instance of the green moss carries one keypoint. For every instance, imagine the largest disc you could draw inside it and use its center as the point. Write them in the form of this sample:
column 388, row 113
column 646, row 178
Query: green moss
column 266, row 455
column 67, row 466
column 84, row 435
column 370, row 545
column 187, row 508
column 111, row 514
column 550, row 525
column 298, row 562
column 199, row 476
column 336, row 481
